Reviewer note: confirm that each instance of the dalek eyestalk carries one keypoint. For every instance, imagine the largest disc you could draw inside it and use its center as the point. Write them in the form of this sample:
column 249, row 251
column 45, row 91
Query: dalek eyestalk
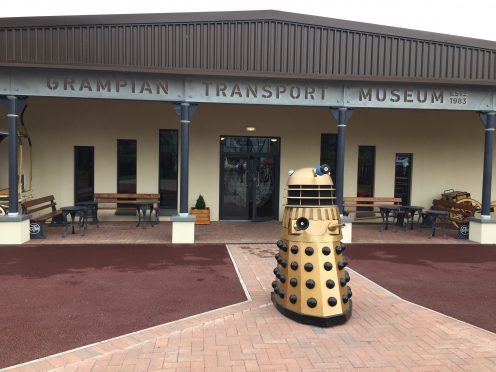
column 311, row 283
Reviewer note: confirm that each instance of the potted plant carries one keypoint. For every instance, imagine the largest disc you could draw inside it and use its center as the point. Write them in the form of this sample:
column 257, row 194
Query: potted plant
column 201, row 211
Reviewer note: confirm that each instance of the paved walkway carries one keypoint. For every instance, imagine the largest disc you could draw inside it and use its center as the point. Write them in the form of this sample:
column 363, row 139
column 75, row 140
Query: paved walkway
column 235, row 232
column 384, row 333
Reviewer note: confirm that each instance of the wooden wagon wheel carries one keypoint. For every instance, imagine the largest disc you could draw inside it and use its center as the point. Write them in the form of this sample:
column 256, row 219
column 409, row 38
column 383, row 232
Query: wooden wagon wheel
column 458, row 216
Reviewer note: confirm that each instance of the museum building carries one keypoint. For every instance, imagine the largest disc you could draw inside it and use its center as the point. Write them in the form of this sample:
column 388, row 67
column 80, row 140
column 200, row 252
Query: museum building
column 224, row 104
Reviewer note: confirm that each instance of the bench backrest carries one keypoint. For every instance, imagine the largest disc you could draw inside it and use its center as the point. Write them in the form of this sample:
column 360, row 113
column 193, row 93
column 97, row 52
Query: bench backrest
column 35, row 205
column 125, row 198
column 350, row 201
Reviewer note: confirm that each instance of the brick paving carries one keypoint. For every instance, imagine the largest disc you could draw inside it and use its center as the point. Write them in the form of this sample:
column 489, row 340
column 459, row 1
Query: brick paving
column 234, row 232
column 385, row 333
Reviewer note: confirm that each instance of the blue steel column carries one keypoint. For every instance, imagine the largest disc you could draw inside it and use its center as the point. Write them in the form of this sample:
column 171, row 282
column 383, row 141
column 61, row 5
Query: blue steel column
column 342, row 115
column 13, row 105
column 488, row 119
column 13, row 156
column 185, row 111
column 184, row 182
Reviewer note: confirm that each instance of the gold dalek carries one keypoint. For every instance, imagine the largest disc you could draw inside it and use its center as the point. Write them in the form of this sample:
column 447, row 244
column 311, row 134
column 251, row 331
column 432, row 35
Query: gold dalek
column 311, row 285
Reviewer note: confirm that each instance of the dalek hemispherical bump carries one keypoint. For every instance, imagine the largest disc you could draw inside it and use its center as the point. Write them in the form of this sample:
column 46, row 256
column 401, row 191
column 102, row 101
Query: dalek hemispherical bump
column 310, row 260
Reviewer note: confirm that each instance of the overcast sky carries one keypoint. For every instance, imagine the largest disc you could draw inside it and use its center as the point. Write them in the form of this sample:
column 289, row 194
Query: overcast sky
column 471, row 18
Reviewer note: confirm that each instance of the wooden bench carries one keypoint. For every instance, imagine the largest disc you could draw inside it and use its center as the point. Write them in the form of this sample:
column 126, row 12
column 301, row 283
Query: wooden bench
column 357, row 205
column 41, row 210
column 120, row 201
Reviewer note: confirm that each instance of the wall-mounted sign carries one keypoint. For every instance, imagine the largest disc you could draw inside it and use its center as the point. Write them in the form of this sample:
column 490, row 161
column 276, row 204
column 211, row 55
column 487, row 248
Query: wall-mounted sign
column 418, row 97
column 110, row 85
column 263, row 92
column 77, row 84
column 155, row 87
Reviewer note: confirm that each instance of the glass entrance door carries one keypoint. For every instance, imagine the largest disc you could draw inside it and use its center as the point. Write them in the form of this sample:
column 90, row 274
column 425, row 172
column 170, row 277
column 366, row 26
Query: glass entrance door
column 249, row 184
column 263, row 188
column 235, row 200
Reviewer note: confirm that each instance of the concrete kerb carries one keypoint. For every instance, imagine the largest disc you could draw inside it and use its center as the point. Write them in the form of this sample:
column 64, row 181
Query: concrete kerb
column 243, row 284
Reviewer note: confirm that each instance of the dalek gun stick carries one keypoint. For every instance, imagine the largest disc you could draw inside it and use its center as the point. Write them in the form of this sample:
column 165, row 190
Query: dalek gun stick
column 311, row 285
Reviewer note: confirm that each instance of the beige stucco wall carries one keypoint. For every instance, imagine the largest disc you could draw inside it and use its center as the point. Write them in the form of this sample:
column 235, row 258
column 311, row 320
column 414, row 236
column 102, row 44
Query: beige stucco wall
column 57, row 125
column 447, row 147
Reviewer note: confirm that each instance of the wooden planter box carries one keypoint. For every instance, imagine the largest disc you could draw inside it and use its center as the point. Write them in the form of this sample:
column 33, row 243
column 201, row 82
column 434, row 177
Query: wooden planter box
column 202, row 216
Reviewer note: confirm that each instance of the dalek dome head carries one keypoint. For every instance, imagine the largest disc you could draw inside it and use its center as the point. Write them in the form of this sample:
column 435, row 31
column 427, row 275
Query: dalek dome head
column 310, row 187
column 308, row 176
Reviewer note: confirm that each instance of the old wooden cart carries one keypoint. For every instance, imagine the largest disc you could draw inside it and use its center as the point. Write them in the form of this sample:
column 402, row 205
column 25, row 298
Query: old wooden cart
column 460, row 205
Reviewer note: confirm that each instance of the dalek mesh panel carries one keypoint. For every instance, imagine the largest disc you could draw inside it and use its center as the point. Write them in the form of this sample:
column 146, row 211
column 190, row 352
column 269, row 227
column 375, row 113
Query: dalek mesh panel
column 311, row 284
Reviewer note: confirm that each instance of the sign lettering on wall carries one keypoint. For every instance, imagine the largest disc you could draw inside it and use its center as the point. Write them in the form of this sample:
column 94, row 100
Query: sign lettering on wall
column 144, row 86
column 262, row 92
column 139, row 86
column 96, row 85
column 418, row 97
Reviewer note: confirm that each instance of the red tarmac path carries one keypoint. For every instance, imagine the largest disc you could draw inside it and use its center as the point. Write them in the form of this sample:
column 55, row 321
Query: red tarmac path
column 385, row 333
column 59, row 297
column 456, row 280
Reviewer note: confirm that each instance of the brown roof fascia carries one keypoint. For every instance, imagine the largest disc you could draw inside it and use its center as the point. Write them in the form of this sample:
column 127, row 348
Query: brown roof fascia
column 245, row 74
column 239, row 16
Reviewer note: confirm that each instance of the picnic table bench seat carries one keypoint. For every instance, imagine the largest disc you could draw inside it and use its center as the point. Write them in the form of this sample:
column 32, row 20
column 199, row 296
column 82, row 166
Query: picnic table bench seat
column 126, row 201
column 368, row 206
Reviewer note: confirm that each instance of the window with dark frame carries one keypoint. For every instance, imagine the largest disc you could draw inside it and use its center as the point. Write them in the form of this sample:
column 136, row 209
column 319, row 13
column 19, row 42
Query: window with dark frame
column 366, row 171
column 403, row 177
column 84, row 173
column 365, row 177
column 168, row 163
column 329, row 151
column 126, row 166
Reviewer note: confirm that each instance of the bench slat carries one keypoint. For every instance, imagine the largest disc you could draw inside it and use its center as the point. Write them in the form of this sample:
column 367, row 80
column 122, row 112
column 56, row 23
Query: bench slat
column 371, row 199
column 351, row 204
column 45, row 199
column 46, row 206
column 369, row 205
column 127, row 208
column 125, row 201
column 124, row 196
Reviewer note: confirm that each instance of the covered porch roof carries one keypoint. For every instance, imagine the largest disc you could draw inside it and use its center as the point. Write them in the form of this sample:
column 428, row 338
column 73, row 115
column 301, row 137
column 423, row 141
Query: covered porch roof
column 267, row 43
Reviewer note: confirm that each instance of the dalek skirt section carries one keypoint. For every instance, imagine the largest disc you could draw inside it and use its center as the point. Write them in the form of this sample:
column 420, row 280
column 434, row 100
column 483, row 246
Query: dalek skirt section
column 311, row 285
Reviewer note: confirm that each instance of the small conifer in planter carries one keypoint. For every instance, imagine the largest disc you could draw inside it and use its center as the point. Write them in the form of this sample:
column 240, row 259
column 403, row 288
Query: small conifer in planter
column 201, row 211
